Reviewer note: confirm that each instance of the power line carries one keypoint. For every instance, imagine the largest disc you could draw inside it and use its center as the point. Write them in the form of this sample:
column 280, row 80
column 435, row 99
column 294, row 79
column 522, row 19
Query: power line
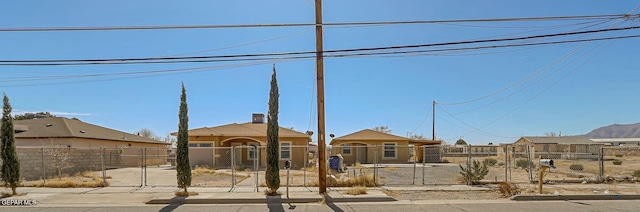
column 171, row 27
column 291, row 55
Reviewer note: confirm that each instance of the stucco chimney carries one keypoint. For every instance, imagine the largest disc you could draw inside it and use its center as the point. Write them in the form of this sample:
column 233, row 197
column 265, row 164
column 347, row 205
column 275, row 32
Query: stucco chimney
column 257, row 118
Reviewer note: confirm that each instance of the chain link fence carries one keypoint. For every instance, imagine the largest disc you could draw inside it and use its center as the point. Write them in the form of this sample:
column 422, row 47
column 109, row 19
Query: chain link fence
column 242, row 168
column 621, row 164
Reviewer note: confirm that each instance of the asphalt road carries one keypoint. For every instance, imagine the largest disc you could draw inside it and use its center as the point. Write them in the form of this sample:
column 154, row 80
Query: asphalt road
column 470, row 206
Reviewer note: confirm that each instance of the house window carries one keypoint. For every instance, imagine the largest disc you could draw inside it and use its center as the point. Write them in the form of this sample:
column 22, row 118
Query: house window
column 285, row 150
column 206, row 145
column 193, row 145
column 545, row 147
column 253, row 153
column 389, row 150
column 346, row 150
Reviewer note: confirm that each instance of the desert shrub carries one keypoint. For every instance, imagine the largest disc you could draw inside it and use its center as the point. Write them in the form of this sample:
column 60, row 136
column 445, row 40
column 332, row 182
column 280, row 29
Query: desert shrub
column 474, row 174
column 366, row 180
column 490, row 161
column 636, row 173
column 617, row 162
column 522, row 163
column 619, row 155
column 356, row 190
column 508, row 189
column 576, row 167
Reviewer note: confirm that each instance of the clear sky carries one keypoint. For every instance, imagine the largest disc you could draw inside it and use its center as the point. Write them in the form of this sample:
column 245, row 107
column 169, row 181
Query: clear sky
column 571, row 88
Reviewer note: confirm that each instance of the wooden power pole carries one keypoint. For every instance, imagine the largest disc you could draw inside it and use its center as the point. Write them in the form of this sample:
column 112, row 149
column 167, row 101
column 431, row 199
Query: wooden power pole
column 322, row 163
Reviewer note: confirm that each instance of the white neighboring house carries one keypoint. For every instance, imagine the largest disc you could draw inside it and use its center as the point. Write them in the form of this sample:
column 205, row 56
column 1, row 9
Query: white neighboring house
column 618, row 141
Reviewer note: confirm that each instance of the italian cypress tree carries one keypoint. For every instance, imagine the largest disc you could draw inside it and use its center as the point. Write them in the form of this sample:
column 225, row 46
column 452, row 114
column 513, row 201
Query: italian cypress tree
column 182, row 152
column 10, row 164
column 272, row 176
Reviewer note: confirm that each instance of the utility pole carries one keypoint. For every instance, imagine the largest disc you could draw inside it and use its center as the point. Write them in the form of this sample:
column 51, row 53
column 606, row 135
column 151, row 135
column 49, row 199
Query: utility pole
column 322, row 163
column 433, row 124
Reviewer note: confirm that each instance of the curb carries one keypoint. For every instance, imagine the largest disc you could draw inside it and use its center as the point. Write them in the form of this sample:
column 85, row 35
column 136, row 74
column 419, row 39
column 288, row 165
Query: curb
column 575, row 197
column 264, row 200
column 231, row 201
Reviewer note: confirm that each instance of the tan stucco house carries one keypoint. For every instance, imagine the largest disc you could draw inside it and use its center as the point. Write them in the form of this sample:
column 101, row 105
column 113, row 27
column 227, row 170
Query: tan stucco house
column 566, row 147
column 76, row 135
column 59, row 131
column 215, row 146
column 369, row 146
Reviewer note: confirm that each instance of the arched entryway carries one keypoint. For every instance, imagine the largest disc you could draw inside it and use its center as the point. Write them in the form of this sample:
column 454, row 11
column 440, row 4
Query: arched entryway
column 246, row 151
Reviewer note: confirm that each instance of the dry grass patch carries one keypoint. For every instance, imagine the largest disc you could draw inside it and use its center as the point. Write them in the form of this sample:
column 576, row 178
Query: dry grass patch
column 82, row 180
column 391, row 168
column 361, row 180
column 182, row 193
column 356, row 190
column 202, row 170
column 311, row 169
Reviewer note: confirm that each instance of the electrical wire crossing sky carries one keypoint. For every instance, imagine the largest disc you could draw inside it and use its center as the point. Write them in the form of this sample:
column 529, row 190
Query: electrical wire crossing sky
column 498, row 70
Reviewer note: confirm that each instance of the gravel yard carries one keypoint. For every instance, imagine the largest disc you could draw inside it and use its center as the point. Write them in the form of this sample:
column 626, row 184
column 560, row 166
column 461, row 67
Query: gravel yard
column 406, row 174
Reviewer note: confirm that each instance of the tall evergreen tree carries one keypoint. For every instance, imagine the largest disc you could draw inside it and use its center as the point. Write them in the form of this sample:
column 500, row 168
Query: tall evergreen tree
column 182, row 152
column 10, row 164
column 272, row 176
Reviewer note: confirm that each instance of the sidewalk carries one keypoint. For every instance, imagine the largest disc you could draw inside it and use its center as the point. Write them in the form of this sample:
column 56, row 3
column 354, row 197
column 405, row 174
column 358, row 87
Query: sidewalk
column 131, row 196
column 165, row 195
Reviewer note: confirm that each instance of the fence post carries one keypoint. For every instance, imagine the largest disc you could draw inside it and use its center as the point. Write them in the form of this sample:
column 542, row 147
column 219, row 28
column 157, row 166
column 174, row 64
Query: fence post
column 601, row 165
column 304, row 170
column 375, row 165
column 140, row 154
column 528, row 151
column 144, row 162
column 102, row 168
column 44, row 172
column 506, row 163
column 233, row 167
column 424, row 161
column 255, row 165
column 413, row 179
column 468, row 163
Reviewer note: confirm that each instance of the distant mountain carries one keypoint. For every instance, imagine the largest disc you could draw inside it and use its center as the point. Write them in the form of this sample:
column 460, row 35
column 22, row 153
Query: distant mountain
column 616, row 131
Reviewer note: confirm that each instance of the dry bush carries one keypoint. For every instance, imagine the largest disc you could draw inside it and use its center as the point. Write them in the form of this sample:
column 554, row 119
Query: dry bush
column 357, row 190
column 362, row 180
column 357, row 164
column 202, row 170
column 182, row 193
column 508, row 189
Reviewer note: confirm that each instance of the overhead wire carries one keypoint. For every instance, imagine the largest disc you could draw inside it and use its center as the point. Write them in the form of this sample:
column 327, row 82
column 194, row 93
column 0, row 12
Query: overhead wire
column 131, row 75
column 228, row 58
column 524, row 79
column 241, row 45
column 547, row 88
column 168, row 27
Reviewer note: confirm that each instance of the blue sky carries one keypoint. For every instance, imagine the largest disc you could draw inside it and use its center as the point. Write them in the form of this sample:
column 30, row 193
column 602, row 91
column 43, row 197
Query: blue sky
column 585, row 85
